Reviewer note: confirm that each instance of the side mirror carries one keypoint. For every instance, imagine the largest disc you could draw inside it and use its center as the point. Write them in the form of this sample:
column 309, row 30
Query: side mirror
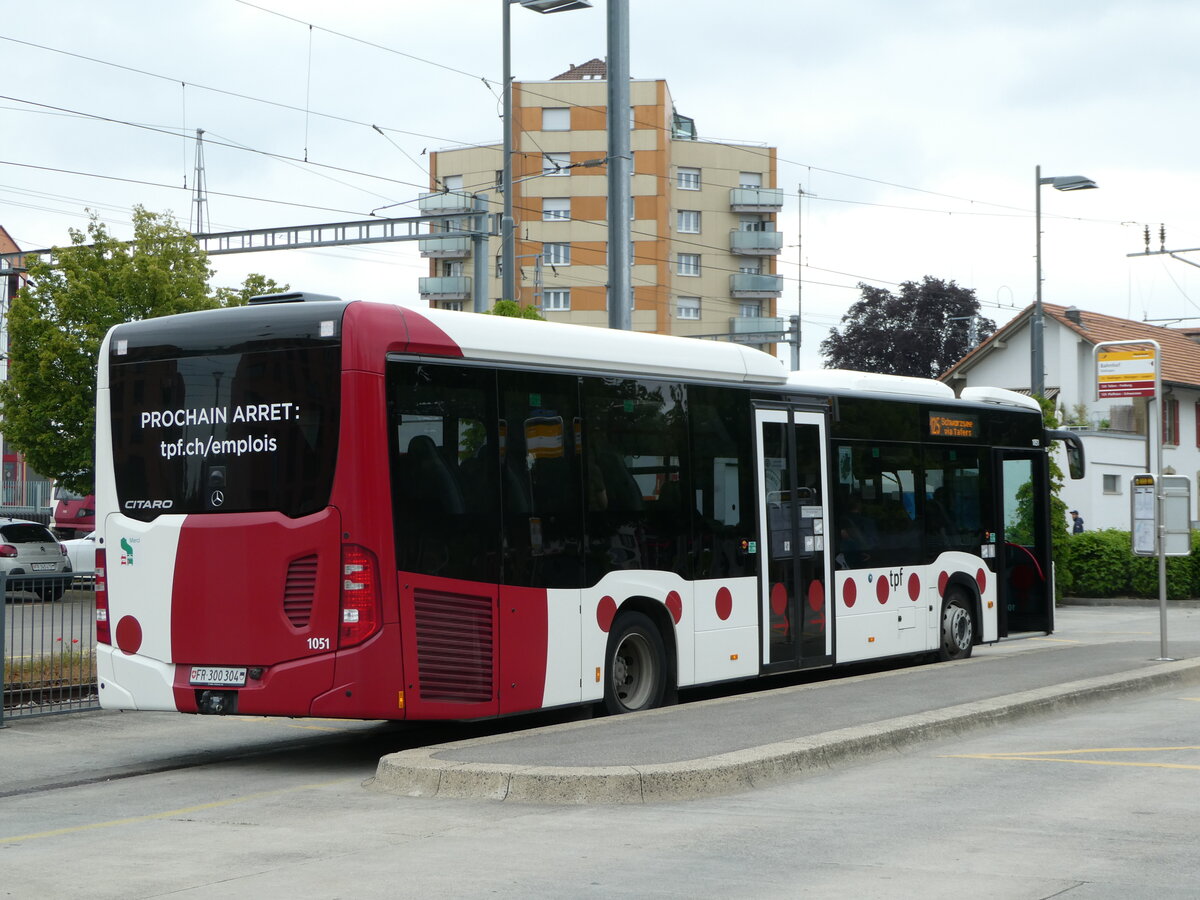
column 1074, row 447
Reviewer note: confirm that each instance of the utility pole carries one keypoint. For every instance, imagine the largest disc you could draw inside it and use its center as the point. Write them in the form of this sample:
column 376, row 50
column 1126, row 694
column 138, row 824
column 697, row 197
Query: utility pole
column 796, row 336
column 199, row 223
column 620, row 168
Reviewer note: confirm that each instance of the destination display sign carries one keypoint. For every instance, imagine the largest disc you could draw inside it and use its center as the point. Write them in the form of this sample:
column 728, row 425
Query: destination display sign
column 953, row 425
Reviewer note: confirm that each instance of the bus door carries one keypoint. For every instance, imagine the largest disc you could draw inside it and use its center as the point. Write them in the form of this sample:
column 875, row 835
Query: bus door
column 1023, row 545
column 793, row 517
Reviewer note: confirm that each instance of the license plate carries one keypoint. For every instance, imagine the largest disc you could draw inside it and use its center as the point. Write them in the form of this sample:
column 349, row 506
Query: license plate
column 218, row 675
column 43, row 567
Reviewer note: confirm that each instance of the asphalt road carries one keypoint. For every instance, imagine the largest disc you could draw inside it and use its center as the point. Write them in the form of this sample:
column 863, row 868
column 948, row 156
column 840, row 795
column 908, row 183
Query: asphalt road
column 1091, row 801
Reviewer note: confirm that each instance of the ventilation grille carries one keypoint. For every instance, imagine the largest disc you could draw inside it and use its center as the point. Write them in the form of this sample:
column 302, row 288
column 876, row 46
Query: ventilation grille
column 299, row 590
column 454, row 647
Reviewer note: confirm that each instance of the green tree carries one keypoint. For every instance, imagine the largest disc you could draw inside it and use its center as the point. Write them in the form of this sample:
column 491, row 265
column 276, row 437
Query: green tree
column 922, row 330
column 58, row 321
column 515, row 310
column 255, row 285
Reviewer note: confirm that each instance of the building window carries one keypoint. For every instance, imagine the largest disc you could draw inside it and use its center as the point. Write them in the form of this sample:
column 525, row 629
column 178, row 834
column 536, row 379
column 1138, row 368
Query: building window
column 688, row 221
column 750, row 309
column 556, row 209
column 1170, row 421
column 751, row 269
column 556, row 164
column 687, row 179
column 687, row 264
column 556, row 254
column 556, row 119
column 453, row 305
column 452, row 182
column 557, row 299
column 687, row 307
column 499, row 179
column 750, row 179
column 499, row 265
column 1112, row 484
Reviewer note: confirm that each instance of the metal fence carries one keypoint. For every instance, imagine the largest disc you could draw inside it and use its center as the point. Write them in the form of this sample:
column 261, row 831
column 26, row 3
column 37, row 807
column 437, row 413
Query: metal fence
column 48, row 636
column 33, row 500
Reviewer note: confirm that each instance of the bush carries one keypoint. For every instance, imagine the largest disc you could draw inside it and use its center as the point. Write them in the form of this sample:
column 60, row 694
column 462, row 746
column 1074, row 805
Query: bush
column 1098, row 563
column 1102, row 564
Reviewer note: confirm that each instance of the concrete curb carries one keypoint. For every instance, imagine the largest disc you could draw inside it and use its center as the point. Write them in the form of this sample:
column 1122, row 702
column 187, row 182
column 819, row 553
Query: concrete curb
column 420, row 773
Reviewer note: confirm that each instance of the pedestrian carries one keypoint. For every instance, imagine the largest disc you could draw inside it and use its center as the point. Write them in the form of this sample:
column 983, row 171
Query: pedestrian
column 1077, row 522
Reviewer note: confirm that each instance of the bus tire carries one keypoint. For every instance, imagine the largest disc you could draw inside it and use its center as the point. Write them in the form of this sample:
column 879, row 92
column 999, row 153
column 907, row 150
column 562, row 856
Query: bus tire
column 958, row 628
column 635, row 665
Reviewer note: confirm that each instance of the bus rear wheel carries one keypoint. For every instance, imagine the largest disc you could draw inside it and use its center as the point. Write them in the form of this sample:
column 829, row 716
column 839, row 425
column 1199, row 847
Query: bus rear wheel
column 958, row 628
column 636, row 665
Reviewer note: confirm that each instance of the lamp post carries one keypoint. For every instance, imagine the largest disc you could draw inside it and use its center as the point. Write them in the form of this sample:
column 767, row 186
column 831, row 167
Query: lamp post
column 1037, row 380
column 508, row 262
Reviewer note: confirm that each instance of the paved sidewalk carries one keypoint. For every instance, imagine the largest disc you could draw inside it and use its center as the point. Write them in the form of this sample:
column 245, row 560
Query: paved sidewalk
column 741, row 742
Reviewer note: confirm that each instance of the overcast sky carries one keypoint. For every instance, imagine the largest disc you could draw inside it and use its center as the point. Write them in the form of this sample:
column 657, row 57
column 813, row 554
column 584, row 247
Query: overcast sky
column 913, row 128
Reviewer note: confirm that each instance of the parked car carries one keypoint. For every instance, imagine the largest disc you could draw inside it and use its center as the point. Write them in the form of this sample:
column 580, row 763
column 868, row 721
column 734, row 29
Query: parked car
column 82, row 552
column 30, row 556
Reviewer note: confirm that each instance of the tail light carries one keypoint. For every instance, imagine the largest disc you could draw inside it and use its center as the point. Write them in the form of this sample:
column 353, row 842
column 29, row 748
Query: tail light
column 360, row 596
column 8, row 551
column 103, row 635
column 63, row 548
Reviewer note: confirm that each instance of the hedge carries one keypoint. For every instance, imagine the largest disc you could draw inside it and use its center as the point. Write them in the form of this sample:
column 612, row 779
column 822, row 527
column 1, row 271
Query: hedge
column 1101, row 564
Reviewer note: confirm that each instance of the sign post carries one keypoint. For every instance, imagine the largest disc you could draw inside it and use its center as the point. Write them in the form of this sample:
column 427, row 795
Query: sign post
column 1134, row 370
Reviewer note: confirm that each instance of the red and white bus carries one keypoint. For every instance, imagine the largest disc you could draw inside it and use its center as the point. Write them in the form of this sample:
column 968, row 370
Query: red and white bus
column 312, row 507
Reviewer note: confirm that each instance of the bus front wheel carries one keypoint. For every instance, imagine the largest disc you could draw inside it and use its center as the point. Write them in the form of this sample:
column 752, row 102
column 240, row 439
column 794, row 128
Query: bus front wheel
column 636, row 665
column 958, row 628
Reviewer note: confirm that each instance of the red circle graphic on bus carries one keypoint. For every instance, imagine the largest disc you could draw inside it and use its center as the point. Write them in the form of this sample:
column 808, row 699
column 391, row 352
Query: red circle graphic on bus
column 849, row 592
column 816, row 596
column 606, row 611
column 675, row 606
column 724, row 604
column 779, row 598
column 129, row 634
column 981, row 580
column 914, row 586
column 943, row 579
column 882, row 590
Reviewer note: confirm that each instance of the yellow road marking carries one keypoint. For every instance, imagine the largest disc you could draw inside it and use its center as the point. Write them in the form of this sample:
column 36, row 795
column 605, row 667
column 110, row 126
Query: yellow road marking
column 133, row 820
column 1061, row 756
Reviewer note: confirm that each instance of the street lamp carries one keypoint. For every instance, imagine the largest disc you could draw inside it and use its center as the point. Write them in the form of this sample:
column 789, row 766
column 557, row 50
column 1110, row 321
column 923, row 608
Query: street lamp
column 1037, row 381
column 508, row 262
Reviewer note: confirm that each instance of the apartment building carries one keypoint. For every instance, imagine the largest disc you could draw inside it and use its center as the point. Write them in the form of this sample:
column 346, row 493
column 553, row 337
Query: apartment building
column 704, row 236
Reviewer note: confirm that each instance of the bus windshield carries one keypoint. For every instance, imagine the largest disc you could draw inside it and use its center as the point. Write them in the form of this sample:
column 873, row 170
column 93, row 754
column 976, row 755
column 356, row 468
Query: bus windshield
column 238, row 431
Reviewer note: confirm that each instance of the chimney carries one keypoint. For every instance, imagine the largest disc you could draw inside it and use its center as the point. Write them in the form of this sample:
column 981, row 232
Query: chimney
column 1074, row 315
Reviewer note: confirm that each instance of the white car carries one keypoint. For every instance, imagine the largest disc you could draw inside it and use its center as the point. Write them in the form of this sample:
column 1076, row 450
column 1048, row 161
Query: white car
column 31, row 556
column 82, row 552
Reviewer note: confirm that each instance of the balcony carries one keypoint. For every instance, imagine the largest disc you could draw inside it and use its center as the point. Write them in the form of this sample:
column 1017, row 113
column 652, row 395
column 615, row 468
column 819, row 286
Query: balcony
column 445, row 247
column 755, row 243
column 745, row 286
column 756, row 329
column 446, row 202
column 758, row 199
column 446, row 287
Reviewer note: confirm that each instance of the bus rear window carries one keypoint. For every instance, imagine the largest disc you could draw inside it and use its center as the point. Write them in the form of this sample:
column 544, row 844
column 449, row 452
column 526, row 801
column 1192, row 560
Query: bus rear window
column 226, row 432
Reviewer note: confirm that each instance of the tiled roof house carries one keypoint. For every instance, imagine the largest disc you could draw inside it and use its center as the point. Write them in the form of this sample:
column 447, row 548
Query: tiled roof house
column 1113, row 431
